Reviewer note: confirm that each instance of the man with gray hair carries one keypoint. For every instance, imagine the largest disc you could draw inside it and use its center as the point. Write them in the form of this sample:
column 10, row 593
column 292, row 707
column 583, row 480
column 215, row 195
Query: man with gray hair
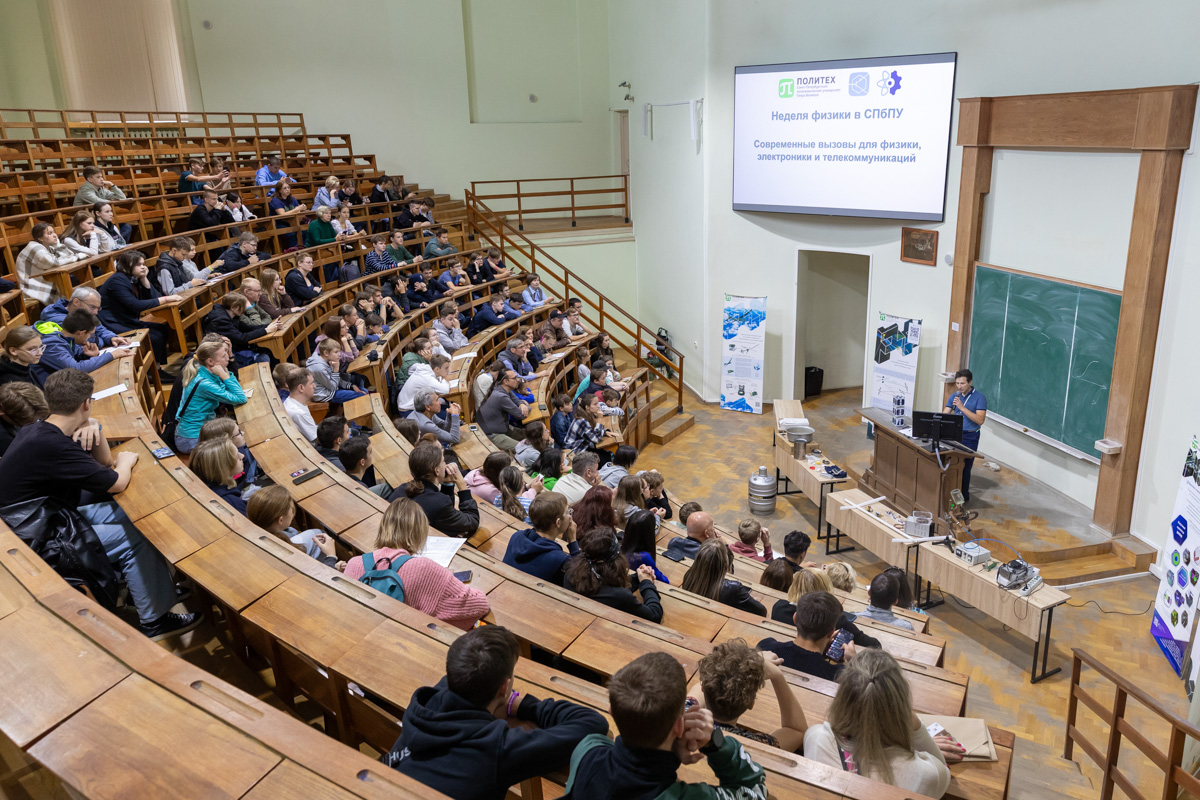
column 425, row 406
column 584, row 474
column 89, row 300
column 242, row 253
column 253, row 316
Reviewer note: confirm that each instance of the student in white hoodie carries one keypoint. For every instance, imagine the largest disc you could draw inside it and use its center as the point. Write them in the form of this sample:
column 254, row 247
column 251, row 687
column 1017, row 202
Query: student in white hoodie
column 431, row 377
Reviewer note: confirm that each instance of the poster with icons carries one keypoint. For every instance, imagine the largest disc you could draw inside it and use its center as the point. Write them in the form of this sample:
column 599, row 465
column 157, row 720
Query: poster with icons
column 1179, row 561
column 743, row 340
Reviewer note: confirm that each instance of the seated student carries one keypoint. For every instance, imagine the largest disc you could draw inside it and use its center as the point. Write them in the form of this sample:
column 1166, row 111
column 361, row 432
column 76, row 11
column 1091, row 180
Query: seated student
column 707, row 577
column 241, row 253
column 398, row 251
column 325, row 366
column 227, row 428
column 95, row 188
column 630, row 497
column 638, row 545
column 301, row 388
column 271, row 173
column 595, row 510
column 255, row 314
column 453, row 278
column 175, row 270
column 332, row 432
column 337, row 329
column 514, row 357
column 562, row 418
column 300, row 283
column 660, row 731
column 274, row 299
column 69, row 347
column 656, row 499
column 320, row 231
column 884, row 590
column 439, row 245
column 525, row 395
column 509, row 311
column 384, row 191
column 209, row 212
column 237, row 208
column 584, row 474
column 108, row 235
column 328, row 195
column 280, row 376
column 195, row 177
column 272, row 509
column 602, row 348
column 610, row 400
column 554, row 327
column 804, row 582
column 487, row 378
column 795, row 549
column 222, row 319
column 574, row 326
column 816, row 617
column 529, row 449
column 548, row 467
column 418, row 351
column 685, row 512
column 602, row 573
column 432, row 287
column 427, row 205
column 618, row 468
column 80, row 236
column 750, row 532
column 515, row 496
column 538, row 352
column 428, row 586
column 21, row 404
column 587, row 429
column 904, row 597
column 536, row 550
column 408, row 428
column 495, row 264
column 207, row 383
column 433, row 487
column 485, row 481
column 533, row 296
column 217, row 462
column 87, row 299
column 128, row 294
column 427, row 406
column 378, row 258
column 375, row 327
column 283, row 206
column 341, row 222
column 842, row 575
column 498, row 407
column 43, row 253
column 411, row 217
column 872, row 730
column 478, row 270
column 489, row 314
column 355, row 458
column 727, row 684
column 65, row 455
column 700, row 528
column 449, row 329
column 472, row 736
column 431, row 377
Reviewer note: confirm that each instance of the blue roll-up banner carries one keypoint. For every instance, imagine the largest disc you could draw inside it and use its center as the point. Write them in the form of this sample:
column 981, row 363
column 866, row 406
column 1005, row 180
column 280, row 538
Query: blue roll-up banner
column 743, row 337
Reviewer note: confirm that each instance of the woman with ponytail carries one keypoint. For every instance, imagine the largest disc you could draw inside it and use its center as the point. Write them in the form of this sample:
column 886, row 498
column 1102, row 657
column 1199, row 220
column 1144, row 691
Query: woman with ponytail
column 433, row 487
column 601, row 572
column 207, row 383
column 514, row 499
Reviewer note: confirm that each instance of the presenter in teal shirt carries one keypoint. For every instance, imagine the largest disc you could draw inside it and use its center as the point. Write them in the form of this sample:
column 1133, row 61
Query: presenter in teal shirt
column 970, row 404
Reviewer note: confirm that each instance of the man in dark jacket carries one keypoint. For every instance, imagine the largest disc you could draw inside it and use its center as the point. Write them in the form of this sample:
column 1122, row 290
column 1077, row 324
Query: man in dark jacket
column 223, row 320
column 700, row 528
column 411, row 218
column 536, row 550
column 456, row 736
column 489, row 314
column 88, row 299
column 659, row 733
column 209, row 214
column 242, row 254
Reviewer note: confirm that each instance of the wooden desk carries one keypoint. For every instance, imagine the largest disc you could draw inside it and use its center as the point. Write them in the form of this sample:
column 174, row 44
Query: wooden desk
column 907, row 473
column 810, row 480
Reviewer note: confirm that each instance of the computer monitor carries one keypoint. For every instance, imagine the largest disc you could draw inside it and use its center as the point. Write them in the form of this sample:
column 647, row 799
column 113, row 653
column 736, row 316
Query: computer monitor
column 937, row 425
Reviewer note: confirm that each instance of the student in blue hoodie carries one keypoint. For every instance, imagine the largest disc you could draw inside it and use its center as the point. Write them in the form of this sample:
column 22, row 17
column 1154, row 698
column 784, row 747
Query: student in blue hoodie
column 456, row 736
column 563, row 416
column 536, row 550
column 489, row 314
column 660, row 731
column 69, row 347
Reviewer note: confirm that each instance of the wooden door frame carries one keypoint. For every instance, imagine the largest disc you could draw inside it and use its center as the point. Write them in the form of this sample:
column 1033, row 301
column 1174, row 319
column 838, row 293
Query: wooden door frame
column 1155, row 122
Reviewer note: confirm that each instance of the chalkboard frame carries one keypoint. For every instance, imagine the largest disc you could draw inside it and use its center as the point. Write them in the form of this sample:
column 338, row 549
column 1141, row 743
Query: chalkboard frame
column 1009, row 422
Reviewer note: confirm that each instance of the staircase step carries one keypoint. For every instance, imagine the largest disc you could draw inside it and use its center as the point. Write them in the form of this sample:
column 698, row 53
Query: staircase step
column 1087, row 568
column 1134, row 551
column 670, row 428
column 1040, row 772
column 659, row 399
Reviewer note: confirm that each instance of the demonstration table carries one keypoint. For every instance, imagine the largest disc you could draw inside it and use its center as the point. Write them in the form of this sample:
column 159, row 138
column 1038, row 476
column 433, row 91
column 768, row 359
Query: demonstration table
column 810, row 480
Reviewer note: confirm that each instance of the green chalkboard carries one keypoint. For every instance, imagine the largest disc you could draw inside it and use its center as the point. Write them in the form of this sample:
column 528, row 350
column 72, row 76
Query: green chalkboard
column 1042, row 353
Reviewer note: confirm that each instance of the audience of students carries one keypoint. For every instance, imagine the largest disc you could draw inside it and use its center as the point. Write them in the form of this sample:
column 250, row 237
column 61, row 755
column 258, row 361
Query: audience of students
column 816, row 619
column 708, row 577
column 601, row 572
column 798, row 584
column 473, row 735
column 434, row 487
column 427, row 585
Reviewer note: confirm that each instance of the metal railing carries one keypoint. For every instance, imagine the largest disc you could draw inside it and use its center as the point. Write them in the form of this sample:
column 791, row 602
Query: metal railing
column 575, row 198
column 1120, row 729
column 604, row 315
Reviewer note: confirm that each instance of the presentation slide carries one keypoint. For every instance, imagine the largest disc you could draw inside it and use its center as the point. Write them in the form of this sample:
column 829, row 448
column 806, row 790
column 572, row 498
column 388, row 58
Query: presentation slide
column 866, row 137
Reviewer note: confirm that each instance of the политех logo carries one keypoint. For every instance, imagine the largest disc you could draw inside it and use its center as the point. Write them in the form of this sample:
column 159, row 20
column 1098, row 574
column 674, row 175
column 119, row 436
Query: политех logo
column 787, row 87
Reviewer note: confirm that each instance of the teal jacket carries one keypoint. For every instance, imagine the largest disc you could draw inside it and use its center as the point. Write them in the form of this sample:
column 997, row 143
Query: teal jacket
column 202, row 396
column 433, row 249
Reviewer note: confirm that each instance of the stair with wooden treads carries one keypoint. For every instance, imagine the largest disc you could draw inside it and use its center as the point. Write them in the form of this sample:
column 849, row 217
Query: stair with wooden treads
column 666, row 421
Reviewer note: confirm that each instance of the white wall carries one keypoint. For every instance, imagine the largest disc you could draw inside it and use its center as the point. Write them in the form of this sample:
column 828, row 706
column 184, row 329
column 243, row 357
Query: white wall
column 1009, row 48
column 610, row 266
column 29, row 73
column 835, row 317
column 395, row 74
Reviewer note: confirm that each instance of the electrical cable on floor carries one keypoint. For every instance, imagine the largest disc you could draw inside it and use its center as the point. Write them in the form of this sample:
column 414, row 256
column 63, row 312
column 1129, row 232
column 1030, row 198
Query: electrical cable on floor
column 1121, row 613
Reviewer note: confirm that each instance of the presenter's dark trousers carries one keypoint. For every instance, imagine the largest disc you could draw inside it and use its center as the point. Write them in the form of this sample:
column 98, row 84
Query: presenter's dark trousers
column 969, row 439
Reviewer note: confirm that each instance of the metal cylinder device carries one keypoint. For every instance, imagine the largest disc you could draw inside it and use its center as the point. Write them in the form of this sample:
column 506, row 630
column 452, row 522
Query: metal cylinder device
column 763, row 489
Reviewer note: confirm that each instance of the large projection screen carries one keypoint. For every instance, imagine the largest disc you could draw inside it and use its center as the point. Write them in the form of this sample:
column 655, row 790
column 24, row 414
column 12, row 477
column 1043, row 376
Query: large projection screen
column 866, row 137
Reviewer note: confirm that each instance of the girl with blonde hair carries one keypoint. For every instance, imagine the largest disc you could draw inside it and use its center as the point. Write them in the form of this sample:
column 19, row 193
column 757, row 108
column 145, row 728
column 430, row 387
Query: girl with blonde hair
column 872, row 729
column 207, row 383
column 227, row 428
column 842, row 576
column 708, row 577
column 428, row 586
column 806, row 581
column 217, row 462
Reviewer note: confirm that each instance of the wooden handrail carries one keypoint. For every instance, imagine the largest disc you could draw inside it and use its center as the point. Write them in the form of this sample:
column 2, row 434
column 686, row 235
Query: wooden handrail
column 567, row 204
column 1120, row 729
column 498, row 231
column 34, row 120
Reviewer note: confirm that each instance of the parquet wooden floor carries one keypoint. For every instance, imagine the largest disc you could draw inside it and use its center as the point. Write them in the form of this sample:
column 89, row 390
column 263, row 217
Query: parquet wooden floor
column 711, row 464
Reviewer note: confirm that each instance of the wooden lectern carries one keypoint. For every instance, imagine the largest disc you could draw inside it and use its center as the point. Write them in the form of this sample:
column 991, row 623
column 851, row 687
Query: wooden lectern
column 907, row 473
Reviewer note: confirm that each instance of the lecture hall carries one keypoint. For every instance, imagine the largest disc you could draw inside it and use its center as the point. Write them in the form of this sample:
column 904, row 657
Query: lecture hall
column 608, row 399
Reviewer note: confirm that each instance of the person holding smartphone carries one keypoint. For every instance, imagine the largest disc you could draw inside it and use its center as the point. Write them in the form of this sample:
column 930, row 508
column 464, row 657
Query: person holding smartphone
column 816, row 619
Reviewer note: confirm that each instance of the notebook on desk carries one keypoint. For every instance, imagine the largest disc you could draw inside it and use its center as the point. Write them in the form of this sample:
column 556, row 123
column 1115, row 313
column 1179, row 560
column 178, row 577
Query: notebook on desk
column 971, row 733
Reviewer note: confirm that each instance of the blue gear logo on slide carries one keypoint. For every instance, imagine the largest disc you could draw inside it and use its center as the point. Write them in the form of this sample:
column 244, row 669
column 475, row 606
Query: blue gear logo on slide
column 860, row 84
column 787, row 87
column 889, row 83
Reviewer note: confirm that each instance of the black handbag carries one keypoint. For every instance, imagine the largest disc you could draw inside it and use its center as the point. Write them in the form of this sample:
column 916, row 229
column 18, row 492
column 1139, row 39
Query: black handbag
column 68, row 544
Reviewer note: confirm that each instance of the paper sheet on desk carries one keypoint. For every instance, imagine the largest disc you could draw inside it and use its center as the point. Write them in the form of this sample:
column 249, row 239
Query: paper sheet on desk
column 454, row 383
column 109, row 392
column 790, row 422
column 553, row 356
column 120, row 348
column 461, row 356
column 441, row 549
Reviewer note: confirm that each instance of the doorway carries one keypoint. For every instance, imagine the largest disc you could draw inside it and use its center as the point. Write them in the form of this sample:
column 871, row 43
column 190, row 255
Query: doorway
column 832, row 290
column 622, row 140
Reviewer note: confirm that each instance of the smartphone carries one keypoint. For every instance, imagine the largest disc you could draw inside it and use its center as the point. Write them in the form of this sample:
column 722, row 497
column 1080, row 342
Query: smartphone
column 671, row 556
column 162, row 452
column 307, row 477
column 299, row 472
column 464, row 576
column 472, row 427
column 837, row 647
column 542, row 406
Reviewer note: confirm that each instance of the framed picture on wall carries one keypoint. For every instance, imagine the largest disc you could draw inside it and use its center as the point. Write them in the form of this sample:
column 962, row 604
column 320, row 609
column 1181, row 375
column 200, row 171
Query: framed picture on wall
column 918, row 246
